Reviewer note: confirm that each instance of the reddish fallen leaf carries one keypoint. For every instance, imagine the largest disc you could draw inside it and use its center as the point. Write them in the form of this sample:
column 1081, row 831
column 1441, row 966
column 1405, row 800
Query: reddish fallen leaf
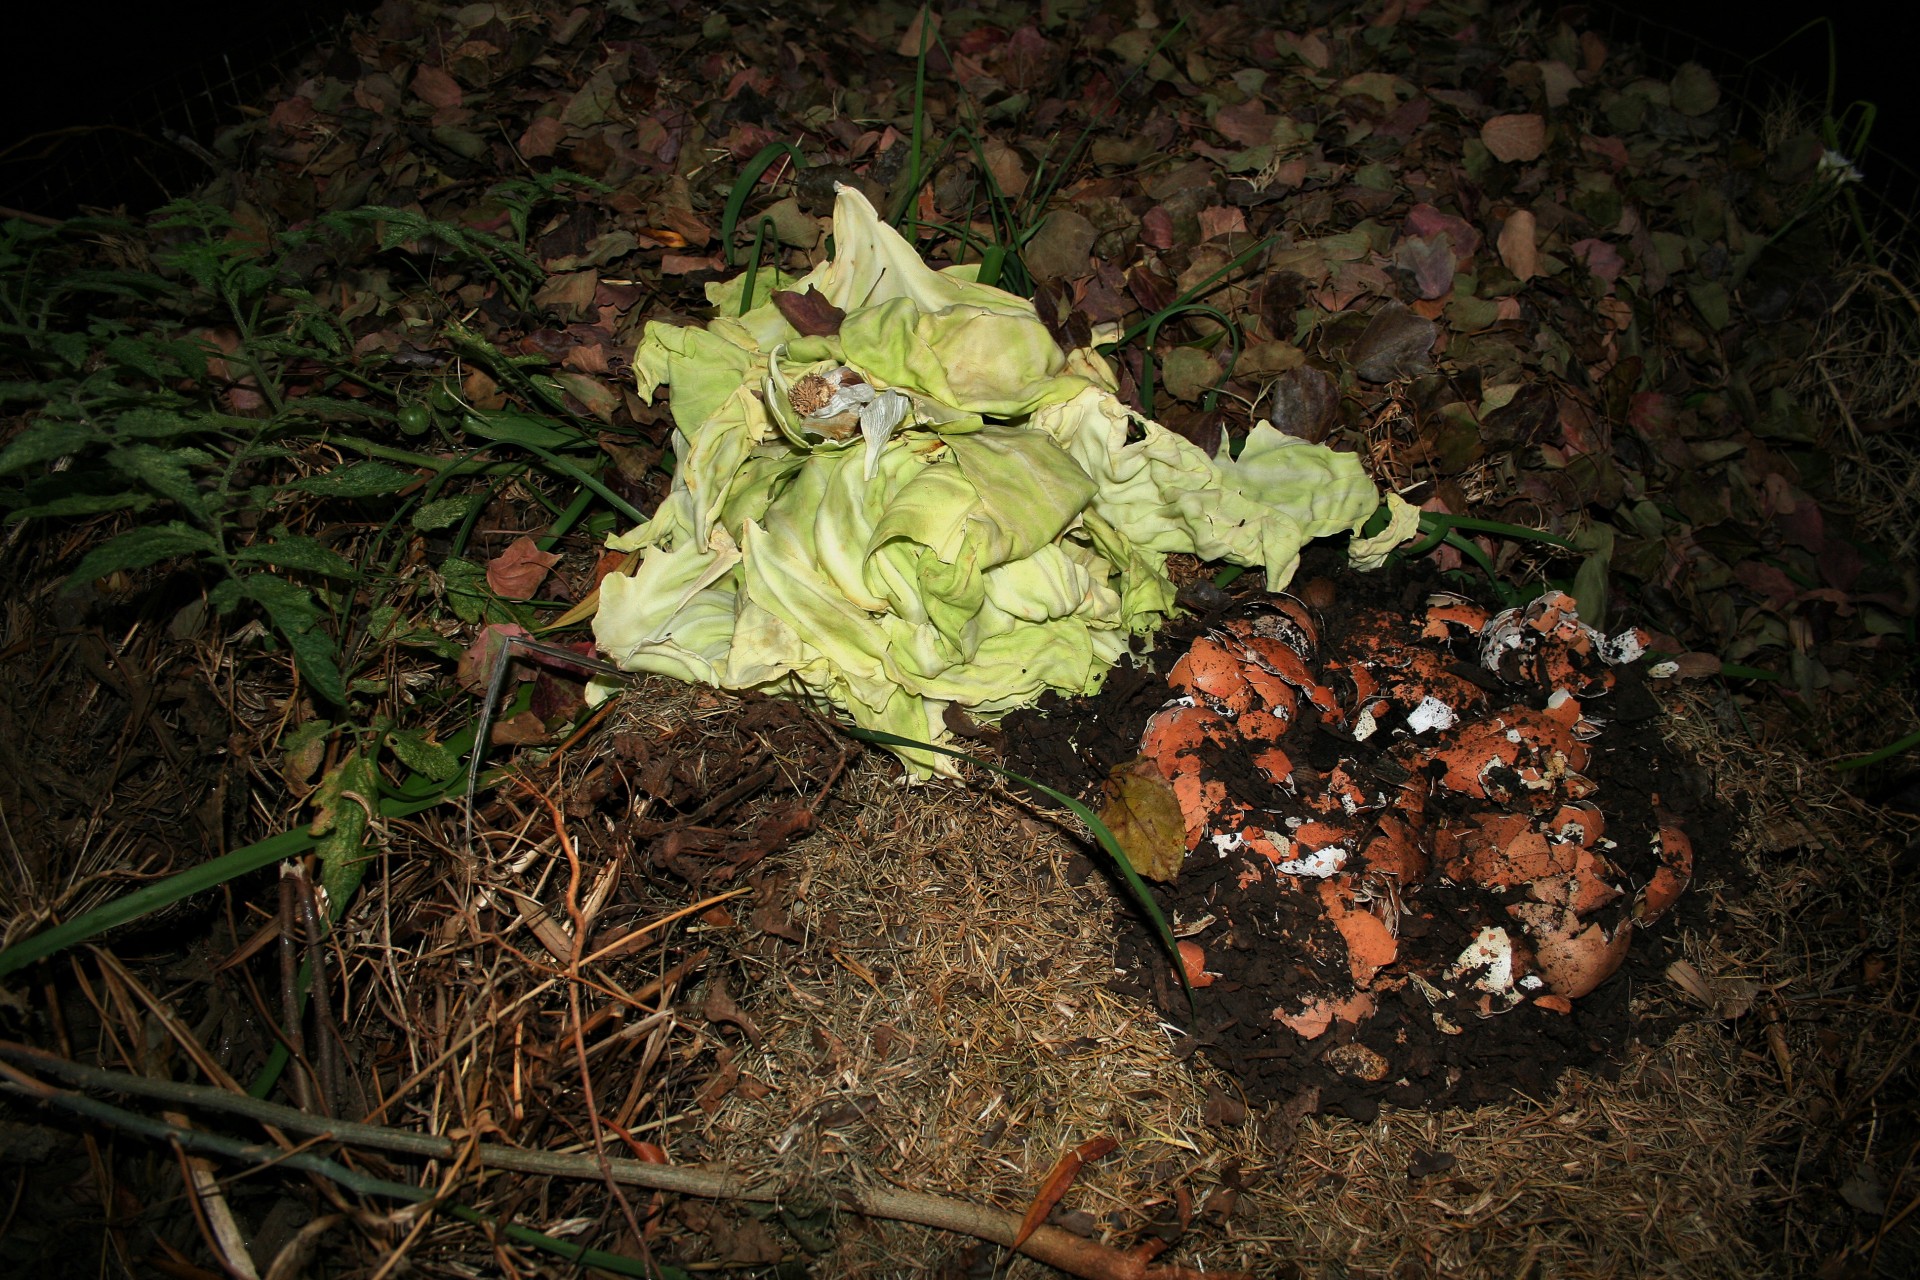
column 1065, row 1170
column 680, row 264
column 542, row 137
column 477, row 663
column 809, row 312
column 1221, row 220
column 1156, row 228
column 517, row 572
column 523, row 730
column 436, row 88
column 1515, row 139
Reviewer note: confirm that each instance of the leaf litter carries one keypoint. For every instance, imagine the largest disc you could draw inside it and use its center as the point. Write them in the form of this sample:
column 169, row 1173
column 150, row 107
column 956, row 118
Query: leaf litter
column 1527, row 275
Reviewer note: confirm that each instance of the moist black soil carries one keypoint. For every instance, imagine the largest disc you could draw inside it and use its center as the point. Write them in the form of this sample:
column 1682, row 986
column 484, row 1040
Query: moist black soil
column 1073, row 744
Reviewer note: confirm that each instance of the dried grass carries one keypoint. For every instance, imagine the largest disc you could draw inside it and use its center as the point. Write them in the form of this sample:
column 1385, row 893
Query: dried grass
column 943, row 1024
column 914, row 993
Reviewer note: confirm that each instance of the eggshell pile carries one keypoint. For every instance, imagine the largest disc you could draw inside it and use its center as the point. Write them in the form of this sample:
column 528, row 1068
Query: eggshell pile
column 1435, row 766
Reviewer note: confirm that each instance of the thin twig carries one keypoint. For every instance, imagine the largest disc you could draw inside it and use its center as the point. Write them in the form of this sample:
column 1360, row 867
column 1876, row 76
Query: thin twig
column 574, row 951
column 1050, row 1245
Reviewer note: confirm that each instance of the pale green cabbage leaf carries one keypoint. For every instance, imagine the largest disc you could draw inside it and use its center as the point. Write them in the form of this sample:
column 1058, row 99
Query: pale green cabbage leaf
column 1000, row 529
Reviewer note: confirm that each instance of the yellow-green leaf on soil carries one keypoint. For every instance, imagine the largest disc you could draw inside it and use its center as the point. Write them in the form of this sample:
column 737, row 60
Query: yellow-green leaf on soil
column 342, row 804
column 1144, row 816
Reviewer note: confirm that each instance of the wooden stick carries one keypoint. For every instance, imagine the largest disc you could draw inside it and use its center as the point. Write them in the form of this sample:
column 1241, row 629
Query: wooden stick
column 1051, row 1245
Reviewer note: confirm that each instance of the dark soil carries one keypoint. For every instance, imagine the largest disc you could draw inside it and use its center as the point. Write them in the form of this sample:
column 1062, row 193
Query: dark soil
column 1270, row 956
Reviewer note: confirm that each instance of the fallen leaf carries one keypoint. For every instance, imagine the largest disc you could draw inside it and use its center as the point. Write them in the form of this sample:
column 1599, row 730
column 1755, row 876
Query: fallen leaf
column 1009, row 170
column 912, row 38
column 1144, row 816
column 1517, row 248
column 523, row 730
column 517, row 572
column 1305, row 404
column 1395, row 344
column 541, row 138
column 570, row 294
column 1065, row 1170
column 436, row 88
column 1059, row 249
column 680, row 264
column 1188, row 373
column 809, row 312
column 1515, row 139
column 477, row 664
column 1221, row 220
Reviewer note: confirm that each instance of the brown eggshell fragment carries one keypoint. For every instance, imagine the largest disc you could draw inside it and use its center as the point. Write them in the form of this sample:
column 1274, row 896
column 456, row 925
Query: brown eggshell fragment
column 1584, row 889
column 1451, row 617
column 1554, row 1004
column 1261, row 727
column 1574, row 965
column 1299, row 630
column 1208, row 668
column 1271, row 692
column 1317, row 1013
column 1370, row 946
column 1175, row 735
column 1671, row 878
column 1582, row 822
column 1193, row 959
column 1273, row 762
column 1395, row 852
column 1200, row 802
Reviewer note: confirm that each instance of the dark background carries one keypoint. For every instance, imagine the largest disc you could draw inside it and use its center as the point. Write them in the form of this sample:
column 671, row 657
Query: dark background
column 91, row 66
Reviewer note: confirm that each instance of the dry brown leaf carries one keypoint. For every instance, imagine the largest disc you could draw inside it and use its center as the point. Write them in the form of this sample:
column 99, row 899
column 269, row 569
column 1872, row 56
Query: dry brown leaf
column 542, row 137
column 477, row 664
column 1515, row 139
column 1009, row 170
column 910, row 39
column 517, row 572
column 436, row 88
column 1517, row 248
column 1144, row 816
column 1065, row 1170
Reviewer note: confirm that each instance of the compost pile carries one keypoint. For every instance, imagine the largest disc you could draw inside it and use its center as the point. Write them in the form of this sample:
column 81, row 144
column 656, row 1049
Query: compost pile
column 1418, row 842
column 281, row 462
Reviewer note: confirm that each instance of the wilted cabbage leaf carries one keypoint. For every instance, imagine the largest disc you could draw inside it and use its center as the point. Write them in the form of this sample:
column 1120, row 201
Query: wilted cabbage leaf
column 933, row 506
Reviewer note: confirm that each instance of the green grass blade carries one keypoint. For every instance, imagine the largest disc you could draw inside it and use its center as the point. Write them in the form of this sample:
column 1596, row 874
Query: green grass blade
column 1887, row 752
column 743, row 189
column 165, row 893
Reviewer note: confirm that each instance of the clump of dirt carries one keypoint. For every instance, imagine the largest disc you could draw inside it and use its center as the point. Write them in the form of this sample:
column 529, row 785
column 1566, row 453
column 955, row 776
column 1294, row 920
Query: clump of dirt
column 1431, row 848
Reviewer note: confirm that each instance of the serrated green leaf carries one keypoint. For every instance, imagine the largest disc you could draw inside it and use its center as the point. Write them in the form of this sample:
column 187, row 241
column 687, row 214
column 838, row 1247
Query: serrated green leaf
column 443, row 513
column 76, row 504
column 466, row 586
column 138, row 548
column 429, row 759
column 294, row 551
column 356, row 480
column 294, row 614
column 144, row 356
column 165, row 471
column 26, row 392
column 164, row 424
column 72, row 348
column 44, row 440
